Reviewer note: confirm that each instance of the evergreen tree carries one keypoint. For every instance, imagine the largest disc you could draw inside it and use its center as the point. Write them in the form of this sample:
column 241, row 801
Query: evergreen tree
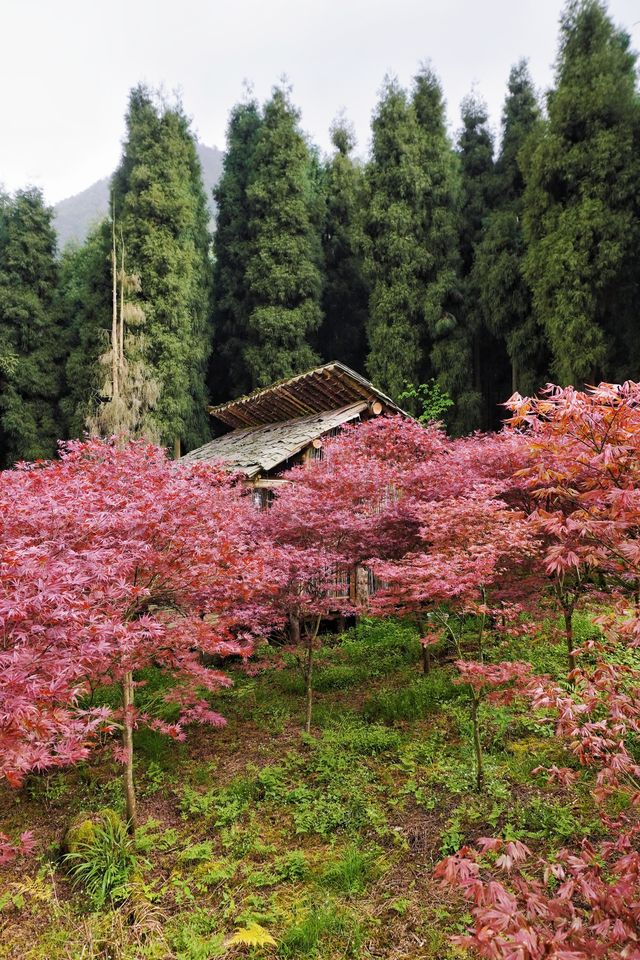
column 160, row 206
column 582, row 202
column 130, row 392
column 346, row 293
column 283, row 276
column 470, row 360
column 412, row 182
column 30, row 337
column 85, row 300
column 228, row 375
column 503, row 293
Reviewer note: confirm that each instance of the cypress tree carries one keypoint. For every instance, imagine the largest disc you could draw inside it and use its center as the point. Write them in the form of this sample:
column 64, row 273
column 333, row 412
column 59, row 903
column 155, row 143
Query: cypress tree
column 346, row 292
column 582, row 202
column 160, row 206
column 283, row 275
column 412, row 183
column 503, row 293
column 84, row 300
column 471, row 361
column 228, row 375
column 30, row 337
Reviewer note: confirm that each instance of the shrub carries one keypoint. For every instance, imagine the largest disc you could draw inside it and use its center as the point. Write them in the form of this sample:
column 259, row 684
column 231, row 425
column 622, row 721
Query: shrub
column 100, row 858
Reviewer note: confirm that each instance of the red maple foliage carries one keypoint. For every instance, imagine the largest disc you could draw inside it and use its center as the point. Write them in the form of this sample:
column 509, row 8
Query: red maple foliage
column 114, row 559
column 580, row 488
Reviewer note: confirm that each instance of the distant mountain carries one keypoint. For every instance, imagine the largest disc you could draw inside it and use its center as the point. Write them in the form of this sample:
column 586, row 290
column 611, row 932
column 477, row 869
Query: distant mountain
column 74, row 217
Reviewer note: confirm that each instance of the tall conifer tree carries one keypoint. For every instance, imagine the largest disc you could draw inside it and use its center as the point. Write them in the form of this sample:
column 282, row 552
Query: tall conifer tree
column 30, row 338
column 84, row 300
column 465, row 362
column 582, row 203
column 231, row 306
column 346, row 293
column 411, row 233
column 503, row 293
column 160, row 206
column 283, row 276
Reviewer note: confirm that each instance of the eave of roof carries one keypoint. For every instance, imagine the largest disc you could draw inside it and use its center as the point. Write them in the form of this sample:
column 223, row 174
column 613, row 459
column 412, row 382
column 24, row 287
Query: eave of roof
column 328, row 387
column 257, row 449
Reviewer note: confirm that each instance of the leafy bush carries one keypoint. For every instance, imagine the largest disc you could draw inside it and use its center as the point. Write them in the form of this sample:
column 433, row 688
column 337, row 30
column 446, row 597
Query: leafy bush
column 101, row 861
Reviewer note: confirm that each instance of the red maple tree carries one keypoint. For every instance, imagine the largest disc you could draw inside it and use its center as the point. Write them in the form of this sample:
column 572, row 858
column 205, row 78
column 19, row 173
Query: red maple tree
column 114, row 558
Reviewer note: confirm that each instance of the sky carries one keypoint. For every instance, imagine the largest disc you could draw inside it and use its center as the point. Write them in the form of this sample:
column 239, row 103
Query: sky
column 67, row 66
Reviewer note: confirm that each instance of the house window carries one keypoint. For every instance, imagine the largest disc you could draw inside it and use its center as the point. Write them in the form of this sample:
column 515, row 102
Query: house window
column 261, row 497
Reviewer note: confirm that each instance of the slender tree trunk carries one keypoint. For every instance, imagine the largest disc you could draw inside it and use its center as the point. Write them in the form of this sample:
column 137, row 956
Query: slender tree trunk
column 514, row 376
column 308, row 672
column 483, row 621
column 426, row 659
column 477, row 745
column 308, row 677
column 568, row 632
column 176, row 448
column 114, row 314
column 129, row 787
column 121, row 344
column 426, row 653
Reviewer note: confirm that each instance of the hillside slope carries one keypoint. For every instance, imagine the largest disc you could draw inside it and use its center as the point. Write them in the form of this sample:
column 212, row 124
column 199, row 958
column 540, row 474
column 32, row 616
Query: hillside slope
column 75, row 215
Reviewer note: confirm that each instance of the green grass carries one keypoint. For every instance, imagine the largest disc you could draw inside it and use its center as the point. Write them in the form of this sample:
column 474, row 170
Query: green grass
column 327, row 840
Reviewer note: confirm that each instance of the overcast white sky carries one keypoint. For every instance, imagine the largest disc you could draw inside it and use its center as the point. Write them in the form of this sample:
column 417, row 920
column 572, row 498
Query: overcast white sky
column 66, row 66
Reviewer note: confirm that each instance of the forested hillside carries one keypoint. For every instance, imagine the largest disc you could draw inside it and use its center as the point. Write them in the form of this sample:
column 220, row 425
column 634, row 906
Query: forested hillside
column 485, row 263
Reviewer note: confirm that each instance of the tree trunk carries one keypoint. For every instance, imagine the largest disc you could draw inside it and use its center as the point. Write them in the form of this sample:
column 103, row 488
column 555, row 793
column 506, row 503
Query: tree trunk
column 568, row 632
column 308, row 676
column 426, row 659
column 114, row 314
column 129, row 787
column 121, row 344
column 176, row 448
column 514, row 376
column 477, row 745
column 426, row 653
column 294, row 629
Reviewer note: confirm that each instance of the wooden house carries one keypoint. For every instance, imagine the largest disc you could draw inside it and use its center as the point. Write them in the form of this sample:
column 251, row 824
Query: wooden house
column 270, row 430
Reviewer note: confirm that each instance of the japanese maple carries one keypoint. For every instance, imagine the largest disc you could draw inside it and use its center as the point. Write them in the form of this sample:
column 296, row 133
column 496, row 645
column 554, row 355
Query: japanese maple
column 113, row 559
column 338, row 511
column 472, row 547
column 580, row 487
column 579, row 904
